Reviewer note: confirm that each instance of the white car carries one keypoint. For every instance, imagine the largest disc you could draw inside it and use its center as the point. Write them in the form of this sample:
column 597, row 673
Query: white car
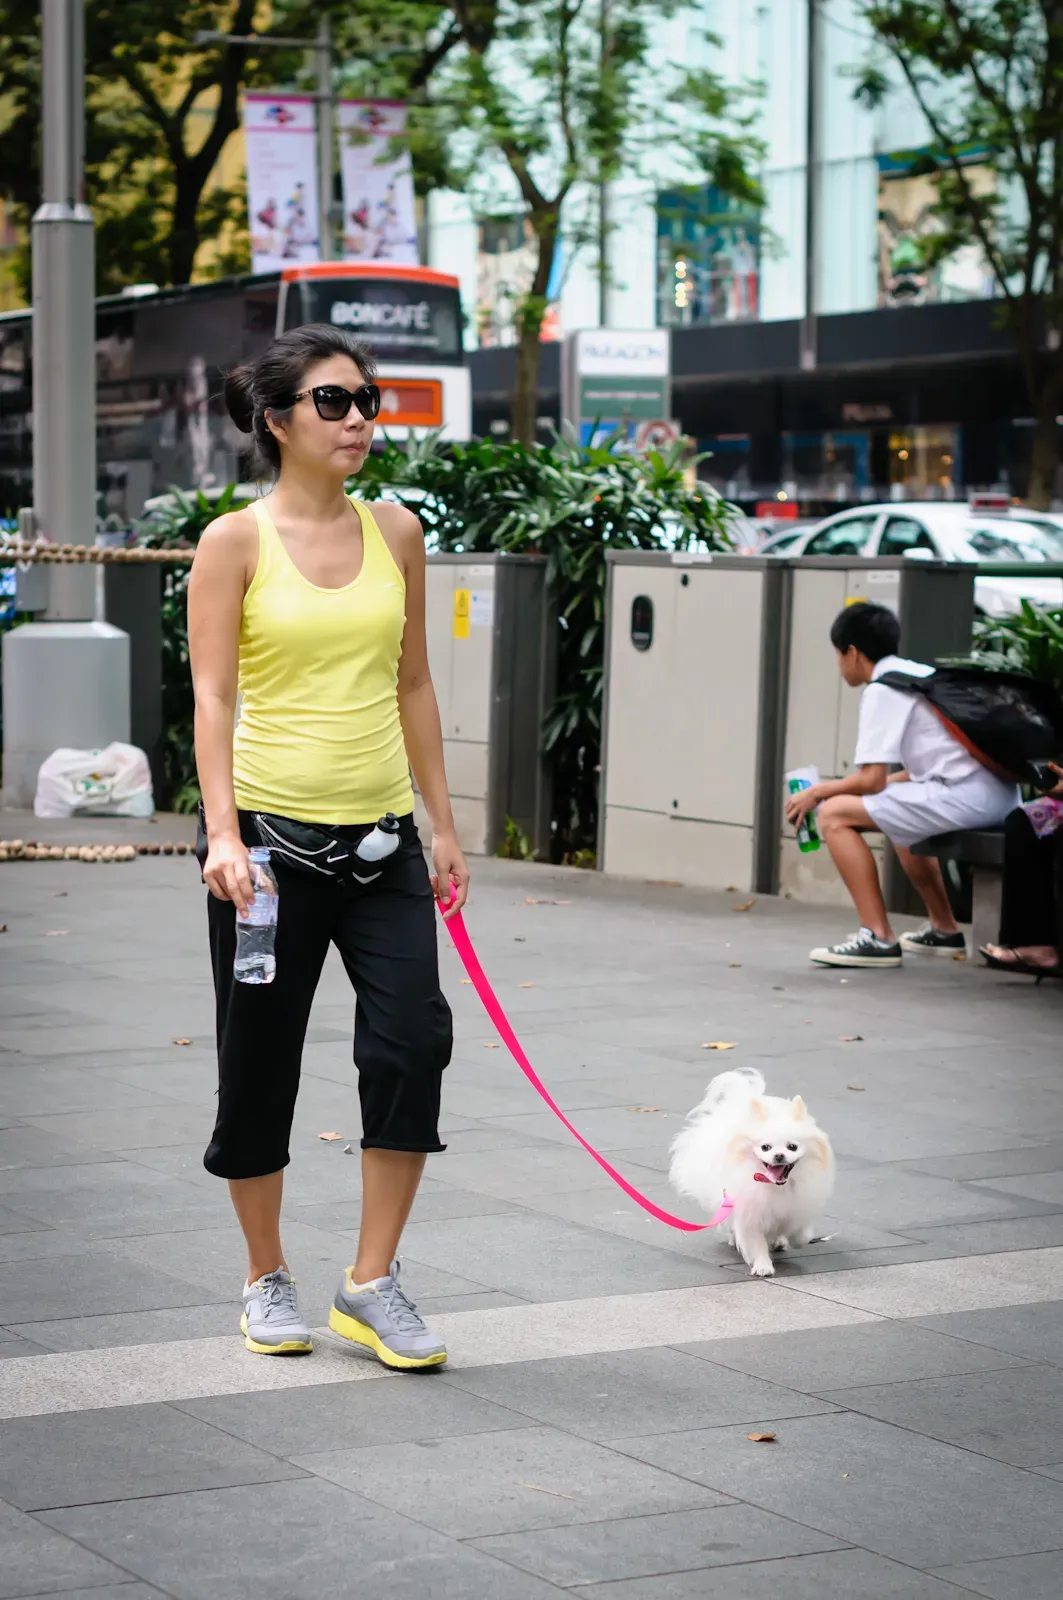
column 947, row 531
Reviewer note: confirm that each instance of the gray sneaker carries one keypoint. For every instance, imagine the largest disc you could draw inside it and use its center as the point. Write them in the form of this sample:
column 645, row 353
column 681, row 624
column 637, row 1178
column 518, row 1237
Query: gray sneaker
column 272, row 1323
column 381, row 1316
column 927, row 941
column 861, row 949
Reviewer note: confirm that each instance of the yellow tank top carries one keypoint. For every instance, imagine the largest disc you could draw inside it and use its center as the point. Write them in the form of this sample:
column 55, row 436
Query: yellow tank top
column 319, row 737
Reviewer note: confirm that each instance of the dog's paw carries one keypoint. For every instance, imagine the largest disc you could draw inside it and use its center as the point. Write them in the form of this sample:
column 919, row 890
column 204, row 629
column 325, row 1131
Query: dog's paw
column 762, row 1268
column 781, row 1243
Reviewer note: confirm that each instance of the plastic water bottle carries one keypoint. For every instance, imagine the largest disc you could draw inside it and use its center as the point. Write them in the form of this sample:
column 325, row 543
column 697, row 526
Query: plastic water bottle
column 807, row 832
column 256, row 930
column 381, row 841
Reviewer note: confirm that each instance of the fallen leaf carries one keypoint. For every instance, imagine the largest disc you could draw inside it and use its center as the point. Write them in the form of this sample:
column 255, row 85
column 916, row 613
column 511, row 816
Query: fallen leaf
column 961, row 955
column 761, row 1438
column 734, row 963
column 644, row 1108
column 464, row 980
column 850, row 1038
column 525, row 985
column 529, row 900
column 746, row 905
column 59, row 894
column 180, row 1041
column 57, row 933
column 718, row 1044
column 3, row 927
column 347, row 1150
column 663, row 883
column 518, row 938
column 491, row 1045
column 560, row 902
column 779, row 987
column 331, row 1136
column 732, row 888
column 857, row 1088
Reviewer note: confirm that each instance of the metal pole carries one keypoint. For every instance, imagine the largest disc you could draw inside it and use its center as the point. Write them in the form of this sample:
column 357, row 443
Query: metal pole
column 323, row 53
column 64, row 310
column 808, row 324
column 604, row 21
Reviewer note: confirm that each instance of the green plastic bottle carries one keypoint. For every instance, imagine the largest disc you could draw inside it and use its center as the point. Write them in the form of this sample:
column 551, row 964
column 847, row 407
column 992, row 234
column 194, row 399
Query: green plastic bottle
column 807, row 835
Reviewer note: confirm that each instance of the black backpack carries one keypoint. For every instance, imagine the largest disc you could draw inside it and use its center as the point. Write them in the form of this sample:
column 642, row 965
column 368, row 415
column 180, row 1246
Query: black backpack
column 1011, row 723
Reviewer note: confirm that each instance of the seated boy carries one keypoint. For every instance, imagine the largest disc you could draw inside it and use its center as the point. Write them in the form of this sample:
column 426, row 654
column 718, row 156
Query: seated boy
column 942, row 788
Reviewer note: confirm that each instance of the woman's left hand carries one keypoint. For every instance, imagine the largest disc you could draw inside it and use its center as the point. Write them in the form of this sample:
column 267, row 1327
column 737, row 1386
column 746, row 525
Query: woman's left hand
column 451, row 874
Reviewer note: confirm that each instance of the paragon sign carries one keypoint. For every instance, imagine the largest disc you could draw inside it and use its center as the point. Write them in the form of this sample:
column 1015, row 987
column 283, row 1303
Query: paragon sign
column 381, row 314
column 614, row 379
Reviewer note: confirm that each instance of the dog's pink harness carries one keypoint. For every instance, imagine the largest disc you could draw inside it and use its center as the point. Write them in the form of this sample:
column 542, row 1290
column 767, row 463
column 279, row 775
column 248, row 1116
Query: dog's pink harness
column 455, row 926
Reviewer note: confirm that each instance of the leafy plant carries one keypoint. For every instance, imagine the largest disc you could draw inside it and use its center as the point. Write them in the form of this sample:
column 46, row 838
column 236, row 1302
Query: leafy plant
column 515, row 846
column 1030, row 640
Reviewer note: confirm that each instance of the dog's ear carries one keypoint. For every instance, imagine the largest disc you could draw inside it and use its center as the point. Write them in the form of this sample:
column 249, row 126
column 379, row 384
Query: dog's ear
column 819, row 1150
column 738, row 1148
column 759, row 1110
column 797, row 1106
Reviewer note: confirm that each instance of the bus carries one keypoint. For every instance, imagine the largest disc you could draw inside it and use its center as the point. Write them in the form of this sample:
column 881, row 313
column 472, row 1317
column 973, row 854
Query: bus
column 161, row 355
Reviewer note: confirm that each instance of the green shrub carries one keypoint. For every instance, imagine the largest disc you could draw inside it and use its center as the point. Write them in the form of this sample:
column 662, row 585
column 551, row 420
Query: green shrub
column 1030, row 641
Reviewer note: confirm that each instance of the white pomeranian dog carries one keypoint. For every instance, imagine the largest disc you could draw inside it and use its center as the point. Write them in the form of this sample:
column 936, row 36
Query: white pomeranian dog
column 767, row 1154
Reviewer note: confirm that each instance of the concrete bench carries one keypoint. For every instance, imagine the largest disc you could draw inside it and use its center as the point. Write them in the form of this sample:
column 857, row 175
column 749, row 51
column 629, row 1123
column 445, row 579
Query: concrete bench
column 980, row 853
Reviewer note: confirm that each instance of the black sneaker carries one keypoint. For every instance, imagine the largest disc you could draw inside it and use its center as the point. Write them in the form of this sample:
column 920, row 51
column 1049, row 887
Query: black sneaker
column 927, row 941
column 861, row 949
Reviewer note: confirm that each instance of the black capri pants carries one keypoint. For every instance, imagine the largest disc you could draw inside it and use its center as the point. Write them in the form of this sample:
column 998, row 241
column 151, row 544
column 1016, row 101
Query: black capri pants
column 385, row 932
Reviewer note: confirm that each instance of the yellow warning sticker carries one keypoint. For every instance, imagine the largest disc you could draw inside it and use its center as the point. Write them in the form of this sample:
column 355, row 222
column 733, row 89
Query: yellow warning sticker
column 462, row 610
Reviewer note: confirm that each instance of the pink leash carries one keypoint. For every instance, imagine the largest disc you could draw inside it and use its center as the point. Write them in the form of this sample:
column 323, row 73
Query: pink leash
column 455, row 926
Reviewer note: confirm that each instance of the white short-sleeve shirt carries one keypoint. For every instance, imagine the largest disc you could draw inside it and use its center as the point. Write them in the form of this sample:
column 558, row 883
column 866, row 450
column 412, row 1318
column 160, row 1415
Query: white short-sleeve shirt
column 900, row 728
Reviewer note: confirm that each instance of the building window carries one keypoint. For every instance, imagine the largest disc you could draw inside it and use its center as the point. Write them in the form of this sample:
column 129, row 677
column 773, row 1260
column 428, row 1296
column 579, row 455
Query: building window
column 708, row 258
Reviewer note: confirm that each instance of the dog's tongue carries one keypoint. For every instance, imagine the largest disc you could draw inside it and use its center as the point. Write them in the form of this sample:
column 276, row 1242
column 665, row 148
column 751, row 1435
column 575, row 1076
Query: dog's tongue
column 778, row 1174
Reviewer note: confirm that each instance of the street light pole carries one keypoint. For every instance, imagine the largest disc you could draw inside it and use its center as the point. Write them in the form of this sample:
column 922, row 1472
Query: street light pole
column 323, row 57
column 64, row 306
column 809, row 341
column 604, row 27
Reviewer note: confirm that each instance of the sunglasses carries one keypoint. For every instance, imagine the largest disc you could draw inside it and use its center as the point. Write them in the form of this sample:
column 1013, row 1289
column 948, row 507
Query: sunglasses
column 333, row 403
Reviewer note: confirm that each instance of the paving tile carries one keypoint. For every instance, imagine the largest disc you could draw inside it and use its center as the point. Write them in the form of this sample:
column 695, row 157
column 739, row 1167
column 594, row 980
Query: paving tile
column 631, row 1391
column 104, row 1331
column 1044, row 1186
column 1013, row 1578
column 315, row 1533
column 348, row 1416
column 26, row 1146
column 37, row 1560
column 85, row 1285
column 117, row 1129
column 540, row 1258
column 994, row 1163
column 930, row 1288
column 845, row 1575
column 997, row 1414
column 673, row 1541
column 37, row 1088
column 506, row 1482
column 117, row 1591
column 888, row 1197
column 344, row 1216
column 896, row 1493
column 814, row 1360
column 123, row 1453
column 985, row 1238
column 14, row 1222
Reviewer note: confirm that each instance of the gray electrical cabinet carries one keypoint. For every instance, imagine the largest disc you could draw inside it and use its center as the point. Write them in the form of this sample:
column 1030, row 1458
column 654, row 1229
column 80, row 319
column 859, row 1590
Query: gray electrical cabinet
column 720, row 677
column 491, row 622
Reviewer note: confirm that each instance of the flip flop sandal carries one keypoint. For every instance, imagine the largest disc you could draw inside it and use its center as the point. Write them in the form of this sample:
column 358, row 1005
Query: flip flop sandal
column 1023, row 968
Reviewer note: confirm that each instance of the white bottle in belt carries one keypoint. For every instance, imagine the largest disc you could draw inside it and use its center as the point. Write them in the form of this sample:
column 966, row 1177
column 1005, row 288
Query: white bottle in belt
column 381, row 841
column 256, row 929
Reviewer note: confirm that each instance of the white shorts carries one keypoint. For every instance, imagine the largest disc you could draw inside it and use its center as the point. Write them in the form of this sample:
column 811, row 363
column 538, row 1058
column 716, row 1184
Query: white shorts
column 910, row 812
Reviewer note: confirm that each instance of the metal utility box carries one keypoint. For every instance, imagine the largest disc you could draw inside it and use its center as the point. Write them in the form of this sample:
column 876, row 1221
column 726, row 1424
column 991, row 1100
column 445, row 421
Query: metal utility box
column 691, row 735
column 491, row 622
column 934, row 601
column 719, row 677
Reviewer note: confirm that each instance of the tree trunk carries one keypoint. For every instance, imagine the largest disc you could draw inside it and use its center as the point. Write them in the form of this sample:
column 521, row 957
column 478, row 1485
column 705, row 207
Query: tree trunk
column 529, row 326
column 1044, row 462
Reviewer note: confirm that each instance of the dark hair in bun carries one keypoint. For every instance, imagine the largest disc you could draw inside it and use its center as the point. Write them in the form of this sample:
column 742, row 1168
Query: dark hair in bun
column 272, row 382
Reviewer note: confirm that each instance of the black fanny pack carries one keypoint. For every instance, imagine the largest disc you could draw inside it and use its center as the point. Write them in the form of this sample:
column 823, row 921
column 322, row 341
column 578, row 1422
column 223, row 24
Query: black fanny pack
column 312, row 849
column 307, row 847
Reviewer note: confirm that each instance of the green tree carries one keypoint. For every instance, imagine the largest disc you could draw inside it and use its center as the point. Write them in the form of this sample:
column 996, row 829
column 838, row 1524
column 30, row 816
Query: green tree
column 160, row 106
column 988, row 74
column 567, row 95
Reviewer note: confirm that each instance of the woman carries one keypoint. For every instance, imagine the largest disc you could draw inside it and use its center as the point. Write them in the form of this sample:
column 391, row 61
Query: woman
column 311, row 607
column 1028, row 919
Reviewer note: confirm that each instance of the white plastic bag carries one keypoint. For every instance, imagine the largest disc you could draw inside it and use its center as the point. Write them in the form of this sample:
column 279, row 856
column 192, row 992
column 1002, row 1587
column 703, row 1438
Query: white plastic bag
column 115, row 782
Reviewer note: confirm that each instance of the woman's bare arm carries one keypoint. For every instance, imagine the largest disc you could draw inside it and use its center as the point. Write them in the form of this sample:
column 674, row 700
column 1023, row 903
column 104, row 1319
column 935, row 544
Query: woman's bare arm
column 221, row 573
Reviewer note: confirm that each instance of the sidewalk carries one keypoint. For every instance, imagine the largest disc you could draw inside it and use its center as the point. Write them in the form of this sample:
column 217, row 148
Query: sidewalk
column 590, row 1434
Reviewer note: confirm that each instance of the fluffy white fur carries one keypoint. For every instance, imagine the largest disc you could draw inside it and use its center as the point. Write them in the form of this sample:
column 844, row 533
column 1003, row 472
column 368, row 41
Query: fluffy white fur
column 767, row 1154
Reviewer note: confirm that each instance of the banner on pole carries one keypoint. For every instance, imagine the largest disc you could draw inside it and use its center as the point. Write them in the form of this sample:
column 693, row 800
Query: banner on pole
column 378, row 212
column 280, row 132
